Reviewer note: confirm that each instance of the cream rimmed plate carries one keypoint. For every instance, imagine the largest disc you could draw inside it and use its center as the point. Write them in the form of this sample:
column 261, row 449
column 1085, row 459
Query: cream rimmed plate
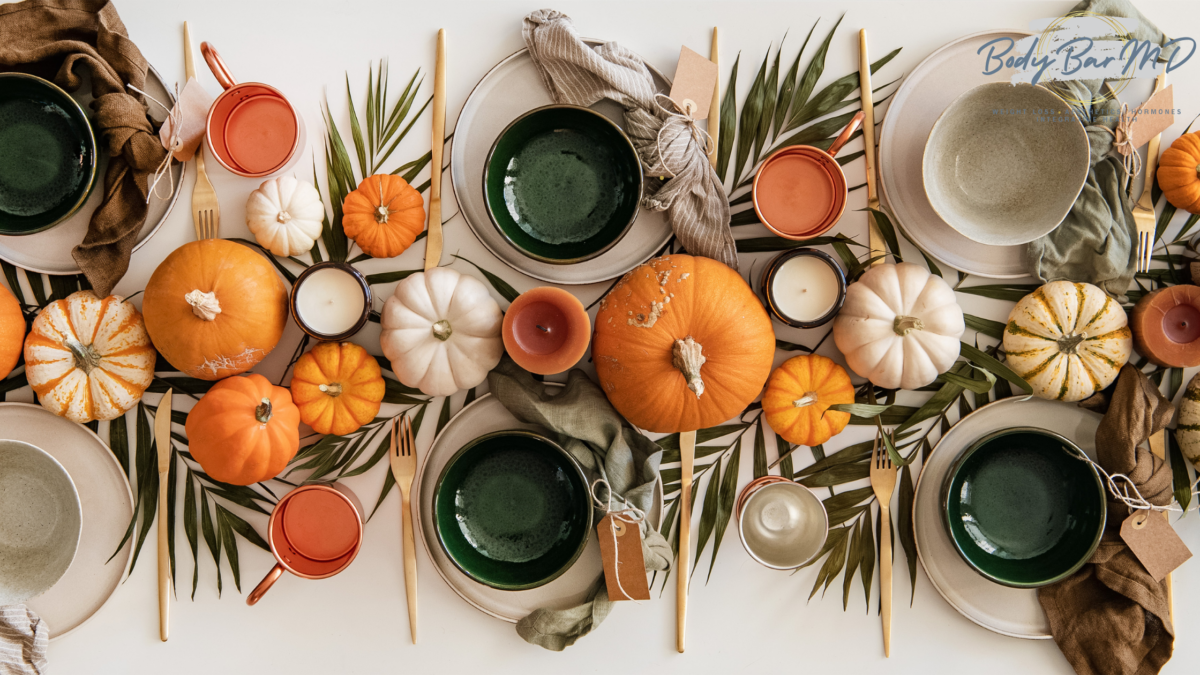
column 484, row 415
column 510, row 89
column 1009, row 611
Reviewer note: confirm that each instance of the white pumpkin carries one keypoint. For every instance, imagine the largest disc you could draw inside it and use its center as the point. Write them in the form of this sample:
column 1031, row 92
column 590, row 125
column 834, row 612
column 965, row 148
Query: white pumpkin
column 89, row 359
column 1068, row 340
column 441, row 331
column 900, row 326
column 285, row 215
column 1187, row 434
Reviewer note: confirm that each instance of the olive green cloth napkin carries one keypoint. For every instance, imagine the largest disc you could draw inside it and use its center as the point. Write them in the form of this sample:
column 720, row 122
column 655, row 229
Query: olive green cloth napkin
column 589, row 428
column 49, row 38
column 1095, row 242
column 1111, row 617
column 24, row 638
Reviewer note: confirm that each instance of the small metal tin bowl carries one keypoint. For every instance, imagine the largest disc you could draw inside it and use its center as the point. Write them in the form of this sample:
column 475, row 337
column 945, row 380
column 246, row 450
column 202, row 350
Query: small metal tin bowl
column 806, row 549
column 768, row 278
column 367, row 297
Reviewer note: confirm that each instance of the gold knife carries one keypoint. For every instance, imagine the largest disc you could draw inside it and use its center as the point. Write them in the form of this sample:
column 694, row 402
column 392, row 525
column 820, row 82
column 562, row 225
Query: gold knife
column 868, row 128
column 162, row 438
column 687, row 455
column 433, row 243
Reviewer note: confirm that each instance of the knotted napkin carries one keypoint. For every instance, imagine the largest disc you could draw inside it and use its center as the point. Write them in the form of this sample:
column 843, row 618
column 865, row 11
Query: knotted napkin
column 1111, row 617
column 48, row 38
column 589, row 428
column 668, row 142
column 24, row 638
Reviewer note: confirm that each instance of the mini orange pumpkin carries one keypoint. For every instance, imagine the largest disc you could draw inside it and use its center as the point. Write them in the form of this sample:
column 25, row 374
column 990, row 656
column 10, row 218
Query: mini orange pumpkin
column 12, row 331
column 1179, row 173
column 798, row 397
column 338, row 387
column 384, row 215
column 244, row 430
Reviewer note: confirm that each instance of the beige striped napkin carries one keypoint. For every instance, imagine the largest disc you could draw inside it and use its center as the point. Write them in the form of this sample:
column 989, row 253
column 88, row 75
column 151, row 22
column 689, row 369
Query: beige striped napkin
column 24, row 638
column 669, row 144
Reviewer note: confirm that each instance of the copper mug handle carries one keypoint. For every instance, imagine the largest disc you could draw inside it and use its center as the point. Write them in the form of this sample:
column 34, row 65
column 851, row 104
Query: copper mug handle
column 265, row 585
column 217, row 66
column 833, row 149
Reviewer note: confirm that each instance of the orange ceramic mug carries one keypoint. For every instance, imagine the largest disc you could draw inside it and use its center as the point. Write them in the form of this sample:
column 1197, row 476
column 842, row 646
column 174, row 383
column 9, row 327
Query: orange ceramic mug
column 800, row 191
column 315, row 532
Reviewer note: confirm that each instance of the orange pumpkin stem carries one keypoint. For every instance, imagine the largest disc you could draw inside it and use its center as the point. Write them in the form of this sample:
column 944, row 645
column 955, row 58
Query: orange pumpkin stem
column 382, row 213
column 204, row 305
column 808, row 399
column 262, row 412
column 334, row 389
column 687, row 355
column 903, row 325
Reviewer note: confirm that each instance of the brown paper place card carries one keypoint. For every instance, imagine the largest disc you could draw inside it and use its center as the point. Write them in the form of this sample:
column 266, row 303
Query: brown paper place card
column 695, row 79
column 1153, row 117
column 192, row 108
column 1154, row 543
column 626, row 558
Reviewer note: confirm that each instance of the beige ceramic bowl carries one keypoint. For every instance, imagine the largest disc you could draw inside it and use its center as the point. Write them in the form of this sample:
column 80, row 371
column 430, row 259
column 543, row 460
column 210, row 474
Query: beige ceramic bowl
column 1004, row 163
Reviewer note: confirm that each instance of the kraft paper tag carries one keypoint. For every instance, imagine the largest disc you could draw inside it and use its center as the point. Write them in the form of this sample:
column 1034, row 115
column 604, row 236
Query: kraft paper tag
column 626, row 559
column 191, row 108
column 695, row 79
column 1153, row 117
column 1154, row 543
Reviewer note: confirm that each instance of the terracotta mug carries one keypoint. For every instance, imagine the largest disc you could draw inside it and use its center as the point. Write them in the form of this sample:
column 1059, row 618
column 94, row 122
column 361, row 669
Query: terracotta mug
column 315, row 532
column 252, row 129
column 800, row 191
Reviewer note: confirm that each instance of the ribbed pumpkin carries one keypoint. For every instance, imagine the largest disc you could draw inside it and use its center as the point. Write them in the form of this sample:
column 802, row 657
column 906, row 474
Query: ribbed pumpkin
column 1188, row 430
column 338, row 387
column 1179, row 173
column 244, row 430
column 1068, row 340
column 89, row 359
column 215, row 308
column 798, row 397
column 12, row 331
column 682, row 343
column 384, row 215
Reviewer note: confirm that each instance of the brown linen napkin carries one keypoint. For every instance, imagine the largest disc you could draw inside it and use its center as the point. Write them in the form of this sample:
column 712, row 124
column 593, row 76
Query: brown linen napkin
column 48, row 38
column 24, row 638
column 1111, row 617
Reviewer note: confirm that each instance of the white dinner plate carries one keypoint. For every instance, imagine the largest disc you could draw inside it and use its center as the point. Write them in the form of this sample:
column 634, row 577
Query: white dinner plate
column 927, row 91
column 510, row 89
column 107, row 504
column 49, row 252
column 485, row 415
column 1009, row 611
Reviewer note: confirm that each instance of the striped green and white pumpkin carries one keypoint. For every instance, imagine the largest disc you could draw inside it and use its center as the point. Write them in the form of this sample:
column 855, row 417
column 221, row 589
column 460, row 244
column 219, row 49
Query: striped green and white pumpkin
column 1068, row 340
column 1187, row 434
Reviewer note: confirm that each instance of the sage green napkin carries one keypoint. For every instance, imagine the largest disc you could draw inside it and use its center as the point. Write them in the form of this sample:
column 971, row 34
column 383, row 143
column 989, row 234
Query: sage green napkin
column 589, row 428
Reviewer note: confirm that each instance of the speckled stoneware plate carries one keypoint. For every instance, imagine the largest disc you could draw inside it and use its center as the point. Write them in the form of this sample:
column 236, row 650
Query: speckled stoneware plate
column 911, row 113
column 487, row 414
column 1009, row 611
column 107, row 505
column 49, row 252
column 509, row 90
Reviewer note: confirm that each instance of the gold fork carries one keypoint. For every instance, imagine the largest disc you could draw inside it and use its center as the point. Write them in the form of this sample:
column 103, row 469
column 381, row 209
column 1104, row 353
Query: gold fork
column 404, row 466
column 1143, row 211
column 883, row 481
column 206, row 211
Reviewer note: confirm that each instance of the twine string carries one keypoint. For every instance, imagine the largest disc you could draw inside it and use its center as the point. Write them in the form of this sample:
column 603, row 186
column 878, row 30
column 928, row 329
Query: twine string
column 1124, row 490
column 629, row 514
column 1131, row 161
column 684, row 113
column 175, row 115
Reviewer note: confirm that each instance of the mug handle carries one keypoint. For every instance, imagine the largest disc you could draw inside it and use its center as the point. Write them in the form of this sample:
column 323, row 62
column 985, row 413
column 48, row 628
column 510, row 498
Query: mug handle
column 265, row 585
column 217, row 66
column 842, row 137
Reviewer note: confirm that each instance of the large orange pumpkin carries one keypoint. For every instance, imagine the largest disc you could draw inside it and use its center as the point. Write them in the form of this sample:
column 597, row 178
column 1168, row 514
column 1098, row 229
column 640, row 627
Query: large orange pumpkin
column 799, row 393
column 338, row 387
column 384, row 215
column 215, row 308
column 682, row 343
column 1179, row 173
column 244, row 430
column 12, row 331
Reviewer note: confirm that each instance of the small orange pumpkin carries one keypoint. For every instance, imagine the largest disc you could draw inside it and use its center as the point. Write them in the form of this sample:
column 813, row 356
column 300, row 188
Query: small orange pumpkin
column 1179, row 173
column 338, row 387
column 12, row 331
column 798, row 397
column 384, row 215
column 244, row 430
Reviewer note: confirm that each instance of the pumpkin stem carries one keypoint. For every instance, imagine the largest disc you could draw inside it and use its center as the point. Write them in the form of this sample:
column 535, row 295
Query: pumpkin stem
column 687, row 355
column 86, row 357
column 1069, row 344
column 903, row 325
column 204, row 305
column 381, row 214
column 283, row 217
column 442, row 330
column 262, row 412
column 334, row 389
column 808, row 399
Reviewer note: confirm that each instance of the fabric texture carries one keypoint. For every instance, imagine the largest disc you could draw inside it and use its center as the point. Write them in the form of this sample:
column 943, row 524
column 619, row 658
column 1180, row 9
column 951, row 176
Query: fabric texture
column 24, row 638
column 669, row 144
column 589, row 428
column 50, row 38
column 1111, row 617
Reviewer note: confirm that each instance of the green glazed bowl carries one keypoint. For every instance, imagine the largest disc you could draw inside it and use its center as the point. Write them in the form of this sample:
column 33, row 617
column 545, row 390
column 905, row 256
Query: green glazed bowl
column 47, row 155
column 1023, row 508
column 562, row 184
column 512, row 510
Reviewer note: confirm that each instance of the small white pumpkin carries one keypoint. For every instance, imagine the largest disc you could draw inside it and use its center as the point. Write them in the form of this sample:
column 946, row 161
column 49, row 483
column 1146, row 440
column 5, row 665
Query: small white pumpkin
column 1068, row 340
column 285, row 215
column 441, row 331
column 900, row 326
column 1187, row 434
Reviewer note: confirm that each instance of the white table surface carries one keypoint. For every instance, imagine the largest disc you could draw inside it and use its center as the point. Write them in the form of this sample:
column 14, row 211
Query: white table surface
column 748, row 618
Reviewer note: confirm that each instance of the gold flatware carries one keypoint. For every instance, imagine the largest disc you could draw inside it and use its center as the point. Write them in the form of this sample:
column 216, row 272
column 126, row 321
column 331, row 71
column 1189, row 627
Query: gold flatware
column 687, row 455
column 1143, row 211
column 868, row 129
column 404, row 466
column 1159, row 448
column 433, row 238
column 162, row 438
column 883, row 482
column 714, row 110
column 206, row 211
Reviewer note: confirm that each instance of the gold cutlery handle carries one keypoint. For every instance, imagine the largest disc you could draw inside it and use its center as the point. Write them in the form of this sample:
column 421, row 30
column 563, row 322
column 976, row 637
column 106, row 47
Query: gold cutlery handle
column 885, row 575
column 410, row 563
column 433, row 243
column 164, row 561
column 687, row 454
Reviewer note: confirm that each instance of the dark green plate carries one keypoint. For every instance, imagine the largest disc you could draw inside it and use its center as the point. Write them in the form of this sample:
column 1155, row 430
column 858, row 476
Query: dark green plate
column 47, row 155
column 512, row 510
column 562, row 184
column 1022, row 507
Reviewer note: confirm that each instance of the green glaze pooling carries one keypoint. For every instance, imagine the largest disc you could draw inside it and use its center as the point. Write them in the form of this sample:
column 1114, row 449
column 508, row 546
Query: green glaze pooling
column 1016, row 505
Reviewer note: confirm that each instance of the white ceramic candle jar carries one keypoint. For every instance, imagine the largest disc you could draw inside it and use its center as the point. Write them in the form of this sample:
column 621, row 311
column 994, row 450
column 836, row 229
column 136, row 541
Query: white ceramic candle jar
column 804, row 288
column 331, row 301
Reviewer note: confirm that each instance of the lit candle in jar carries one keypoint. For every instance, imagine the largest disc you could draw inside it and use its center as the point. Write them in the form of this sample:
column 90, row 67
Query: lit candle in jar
column 1166, row 326
column 804, row 287
column 546, row 330
column 331, row 301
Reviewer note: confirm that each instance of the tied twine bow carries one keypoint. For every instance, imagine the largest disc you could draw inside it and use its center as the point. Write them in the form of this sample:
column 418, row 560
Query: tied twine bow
column 175, row 117
column 1123, row 489
column 1122, row 135
column 684, row 115
column 630, row 515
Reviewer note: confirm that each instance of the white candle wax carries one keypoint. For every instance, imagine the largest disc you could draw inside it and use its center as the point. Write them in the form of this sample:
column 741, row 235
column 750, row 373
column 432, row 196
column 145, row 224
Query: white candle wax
column 805, row 288
column 330, row 301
